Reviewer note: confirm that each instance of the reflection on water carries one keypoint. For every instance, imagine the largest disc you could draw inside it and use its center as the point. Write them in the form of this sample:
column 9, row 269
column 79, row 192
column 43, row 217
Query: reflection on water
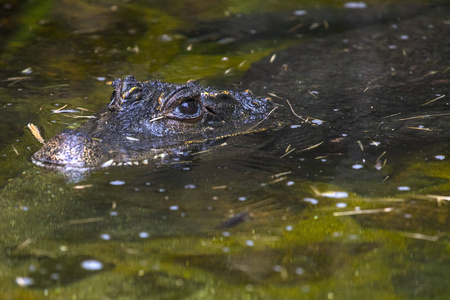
column 240, row 221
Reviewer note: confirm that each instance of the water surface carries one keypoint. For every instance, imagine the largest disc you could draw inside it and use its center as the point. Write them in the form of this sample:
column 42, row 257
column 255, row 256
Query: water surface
column 238, row 222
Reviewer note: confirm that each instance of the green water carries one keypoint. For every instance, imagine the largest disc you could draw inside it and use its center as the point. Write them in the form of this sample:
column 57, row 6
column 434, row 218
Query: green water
column 227, row 225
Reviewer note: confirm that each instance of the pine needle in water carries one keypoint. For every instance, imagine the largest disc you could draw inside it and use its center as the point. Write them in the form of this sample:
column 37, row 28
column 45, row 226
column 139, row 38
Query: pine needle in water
column 35, row 132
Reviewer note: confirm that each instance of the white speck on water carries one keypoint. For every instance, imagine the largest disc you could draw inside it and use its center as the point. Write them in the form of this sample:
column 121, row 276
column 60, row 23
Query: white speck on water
column 117, row 182
column 24, row 281
column 311, row 200
column 101, row 78
column 355, row 5
column 224, row 58
column 403, row 188
column 92, row 265
column 404, row 37
column 165, row 38
column 242, row 198
column 250, row 243
column 408, row 216
column 357, row 166
column 300, row 13
column 174, row 207
column 27, row 71
column 277, row 268
column 144, row 235
column 295, row 126
column 335, row 194
column 226, row 233
column 392, row 47
column 161, row 190
column 190, row 186
column 353, row 237
column 289, row 183
column 113, row 213
column 105, row 236
column 299, row 271
column 341, row 204
column 289, row 228
column 440, row 157
column 317, row 122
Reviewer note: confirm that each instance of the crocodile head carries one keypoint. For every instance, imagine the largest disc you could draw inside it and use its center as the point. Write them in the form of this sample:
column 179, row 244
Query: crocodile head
column 147, row 119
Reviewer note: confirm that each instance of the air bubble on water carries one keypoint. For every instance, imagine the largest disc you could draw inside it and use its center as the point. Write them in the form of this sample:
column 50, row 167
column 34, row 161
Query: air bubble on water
column 92, row 265
column 311, row 200
column 117, row 182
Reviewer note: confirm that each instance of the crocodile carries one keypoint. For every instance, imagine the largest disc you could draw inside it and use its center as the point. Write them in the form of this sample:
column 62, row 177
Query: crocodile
column 375, row 85
column 154, row 119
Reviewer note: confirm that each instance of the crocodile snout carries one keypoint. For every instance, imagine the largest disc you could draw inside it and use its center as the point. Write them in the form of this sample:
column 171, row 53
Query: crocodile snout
column 70, row 148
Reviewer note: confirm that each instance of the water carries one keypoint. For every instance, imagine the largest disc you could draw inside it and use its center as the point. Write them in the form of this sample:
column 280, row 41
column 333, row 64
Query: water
column 234, row 223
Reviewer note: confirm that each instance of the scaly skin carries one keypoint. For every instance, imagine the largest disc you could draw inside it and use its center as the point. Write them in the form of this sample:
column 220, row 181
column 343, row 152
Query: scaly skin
column 147, row 118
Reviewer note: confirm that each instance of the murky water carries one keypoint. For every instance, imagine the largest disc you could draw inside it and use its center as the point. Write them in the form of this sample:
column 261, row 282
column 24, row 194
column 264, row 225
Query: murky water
column 238, row 222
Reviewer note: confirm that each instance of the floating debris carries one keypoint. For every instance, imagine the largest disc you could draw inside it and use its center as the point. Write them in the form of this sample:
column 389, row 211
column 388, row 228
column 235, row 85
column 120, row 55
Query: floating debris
column 311, row 200
column 92, row 265
column 311, row 147
column 27, row 71
column 361, row 146
column 235, row 220
column 420, row 236
column 362, row 212
column 355, row 5
column 82, row 187
column 281, row 174
column 330, row 194
column 219, row 187
column 292, row 109
column 35, row 132
column 272, row 58
column 431, row 101
column 15, row 150
column 144, row 235
column 404, row 188
column 24, row 281
column 117, row 182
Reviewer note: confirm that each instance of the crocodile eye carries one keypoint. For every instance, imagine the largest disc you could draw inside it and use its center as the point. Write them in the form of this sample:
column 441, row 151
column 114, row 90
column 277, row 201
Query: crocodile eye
column 188, row 110
column 189, row 107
